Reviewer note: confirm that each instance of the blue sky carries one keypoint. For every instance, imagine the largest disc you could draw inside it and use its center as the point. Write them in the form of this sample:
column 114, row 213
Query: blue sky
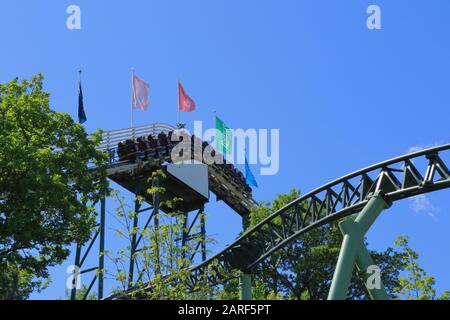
column 343, row 96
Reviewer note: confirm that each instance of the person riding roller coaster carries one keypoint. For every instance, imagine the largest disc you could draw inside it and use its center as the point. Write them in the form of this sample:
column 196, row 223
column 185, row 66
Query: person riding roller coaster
column 161, row 145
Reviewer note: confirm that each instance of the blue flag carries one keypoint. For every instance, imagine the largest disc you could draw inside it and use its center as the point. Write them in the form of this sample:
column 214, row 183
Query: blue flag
column 81, row 114
column 249, row 177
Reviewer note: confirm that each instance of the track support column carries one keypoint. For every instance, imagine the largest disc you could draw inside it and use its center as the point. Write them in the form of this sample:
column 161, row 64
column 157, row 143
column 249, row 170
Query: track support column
column 133, row 245
column 101, row 262
column 354, row 252
column 245, row 285
column 76, row 273
column 245, row 279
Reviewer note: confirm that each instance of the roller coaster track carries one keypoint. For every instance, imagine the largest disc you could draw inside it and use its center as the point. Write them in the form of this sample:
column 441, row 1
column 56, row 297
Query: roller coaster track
column 397, row 179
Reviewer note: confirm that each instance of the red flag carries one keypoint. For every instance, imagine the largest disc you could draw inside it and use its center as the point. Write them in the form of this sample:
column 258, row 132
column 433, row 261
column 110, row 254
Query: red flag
column 185, row 103
column 140, row 93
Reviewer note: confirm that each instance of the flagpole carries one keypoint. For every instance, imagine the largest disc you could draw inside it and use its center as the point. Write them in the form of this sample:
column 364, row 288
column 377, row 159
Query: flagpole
column 214, row 124
column 79, row 88
column 79, row 85
column 132, row 93
column 217, row 140
column 178, row 99
column 79, row 79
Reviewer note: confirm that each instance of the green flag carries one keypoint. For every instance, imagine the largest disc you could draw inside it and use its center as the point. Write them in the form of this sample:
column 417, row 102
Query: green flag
column 224, row 137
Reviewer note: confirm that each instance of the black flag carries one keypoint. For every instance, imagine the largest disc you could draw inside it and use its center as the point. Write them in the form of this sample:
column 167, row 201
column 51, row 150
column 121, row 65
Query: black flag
column 81, row 114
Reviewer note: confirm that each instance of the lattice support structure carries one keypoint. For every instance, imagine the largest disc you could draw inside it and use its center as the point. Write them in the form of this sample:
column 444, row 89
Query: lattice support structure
column 80, row 259
column 136, row 238
column 188, row 234
column 194, row 232
column 192, row 221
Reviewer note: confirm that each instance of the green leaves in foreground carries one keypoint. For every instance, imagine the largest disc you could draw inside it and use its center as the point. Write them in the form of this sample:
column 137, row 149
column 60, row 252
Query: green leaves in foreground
column 47, row 187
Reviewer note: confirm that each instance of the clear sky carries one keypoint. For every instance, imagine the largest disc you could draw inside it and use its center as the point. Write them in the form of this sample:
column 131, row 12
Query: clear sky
column 343, row 96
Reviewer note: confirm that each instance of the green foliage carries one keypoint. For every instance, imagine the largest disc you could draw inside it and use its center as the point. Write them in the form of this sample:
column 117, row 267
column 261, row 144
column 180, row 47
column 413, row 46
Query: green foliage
column 47, row 187
column 80, row 294
column 229, row 290
column 18, row 284
column 445, row 295
column 416, row 285
column 260, row 291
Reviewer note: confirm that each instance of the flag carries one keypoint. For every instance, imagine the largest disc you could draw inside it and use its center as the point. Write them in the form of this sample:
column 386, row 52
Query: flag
column 249, row 177
column 224, row 137
column 140, row 93
column 185, row 102
column 81, row 114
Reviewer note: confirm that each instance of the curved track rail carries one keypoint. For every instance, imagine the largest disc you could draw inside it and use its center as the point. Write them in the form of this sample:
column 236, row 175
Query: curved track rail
column 397, row 179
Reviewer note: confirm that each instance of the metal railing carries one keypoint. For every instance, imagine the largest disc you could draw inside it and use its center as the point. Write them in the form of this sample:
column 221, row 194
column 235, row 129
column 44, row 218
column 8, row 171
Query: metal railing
column 110, row 139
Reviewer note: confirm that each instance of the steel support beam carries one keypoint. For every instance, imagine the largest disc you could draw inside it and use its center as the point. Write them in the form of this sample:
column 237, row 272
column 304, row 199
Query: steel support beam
column 354, row 252
column 80, row 259
column 245, row 278
column 363, row 262
column 76, row 273
column 189, row 234
column 101, row 262
column 156, row 199
column 135, row 238
column 184, row 233
column 245, row 284
column 203, row 231
column 137, row 206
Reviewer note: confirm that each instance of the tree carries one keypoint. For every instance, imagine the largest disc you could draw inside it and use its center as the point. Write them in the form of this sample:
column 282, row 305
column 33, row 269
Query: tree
column 416, row 285
column 17, row 284
column 260, row 291
column 48, row 186
column 304, row 268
